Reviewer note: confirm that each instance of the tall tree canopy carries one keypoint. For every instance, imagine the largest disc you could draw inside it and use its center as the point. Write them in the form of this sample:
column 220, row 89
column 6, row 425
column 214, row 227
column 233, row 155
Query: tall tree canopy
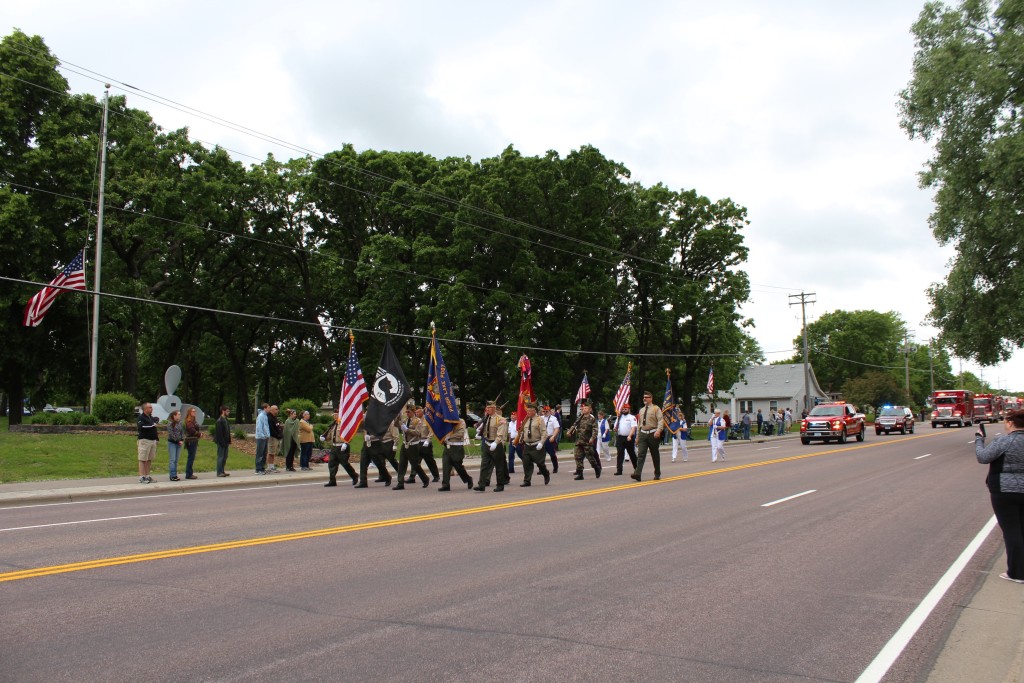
column 563, row 257
column 965, row 98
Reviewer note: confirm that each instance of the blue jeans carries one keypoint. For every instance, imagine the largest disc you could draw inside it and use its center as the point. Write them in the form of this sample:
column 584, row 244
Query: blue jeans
column 746, row 432
column 261, row 454
column 173, row 451
column 190, row 448
column 305, row 453
column 222, row 458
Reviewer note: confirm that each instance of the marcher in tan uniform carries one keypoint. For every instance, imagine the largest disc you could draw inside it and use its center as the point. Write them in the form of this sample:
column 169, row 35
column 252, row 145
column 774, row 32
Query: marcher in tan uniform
column 649, row 434
column 427, row 445
column 410, row 453
column 494, row 435
column 454, row 451
column 532, row 435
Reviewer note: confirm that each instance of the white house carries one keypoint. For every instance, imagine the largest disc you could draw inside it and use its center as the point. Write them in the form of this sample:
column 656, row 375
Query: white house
column 767, row 388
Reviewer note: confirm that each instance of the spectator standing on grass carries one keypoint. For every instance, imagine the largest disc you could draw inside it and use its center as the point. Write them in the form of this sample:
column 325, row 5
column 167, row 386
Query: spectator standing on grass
column 290, row 440
column 276, row 430
column 222, row 437
column 760, row 421
column 175, row 440
column 305, row 442
column 192, row 433
column 262, row 439
column 147, row 440
column 745, row 421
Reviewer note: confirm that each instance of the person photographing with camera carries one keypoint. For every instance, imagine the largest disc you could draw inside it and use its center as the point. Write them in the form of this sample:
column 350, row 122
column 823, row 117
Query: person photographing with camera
column 1005, row 480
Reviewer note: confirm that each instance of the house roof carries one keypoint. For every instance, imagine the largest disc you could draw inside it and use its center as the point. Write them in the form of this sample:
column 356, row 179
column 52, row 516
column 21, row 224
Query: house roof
column 775, row 381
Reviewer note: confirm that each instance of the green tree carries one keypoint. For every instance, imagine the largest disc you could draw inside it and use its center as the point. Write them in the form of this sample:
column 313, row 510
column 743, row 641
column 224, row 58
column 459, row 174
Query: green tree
column 873, row 389
column 965, row 98
column 847, row 344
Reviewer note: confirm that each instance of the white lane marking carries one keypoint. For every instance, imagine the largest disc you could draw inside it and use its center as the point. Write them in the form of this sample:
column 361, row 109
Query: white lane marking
column 769, row 448
column 82, row 521
column 922, row 456
column 783, row 500
column 894, row 648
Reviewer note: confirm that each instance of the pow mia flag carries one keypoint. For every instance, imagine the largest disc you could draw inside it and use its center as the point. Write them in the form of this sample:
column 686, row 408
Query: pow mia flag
column 389, row 393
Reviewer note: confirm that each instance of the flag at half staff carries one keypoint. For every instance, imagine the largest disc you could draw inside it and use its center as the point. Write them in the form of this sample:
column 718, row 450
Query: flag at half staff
column 442, row 409
column 72, row 277
column 388, row 393
column 353, row 394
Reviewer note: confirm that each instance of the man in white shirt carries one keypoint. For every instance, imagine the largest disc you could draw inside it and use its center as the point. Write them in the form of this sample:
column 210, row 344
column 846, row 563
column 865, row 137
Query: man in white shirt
column 554, row 428
column 625, row 435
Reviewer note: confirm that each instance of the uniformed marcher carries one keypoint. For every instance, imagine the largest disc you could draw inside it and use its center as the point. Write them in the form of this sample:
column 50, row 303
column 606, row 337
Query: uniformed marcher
column 585, row 430
column 373, row 451
column 494, row 435
column 649, row 428
column 409, row 456
column 427, row 445
column 532, row 435
column 339, row 456
column 455, row 443
column 389, row 447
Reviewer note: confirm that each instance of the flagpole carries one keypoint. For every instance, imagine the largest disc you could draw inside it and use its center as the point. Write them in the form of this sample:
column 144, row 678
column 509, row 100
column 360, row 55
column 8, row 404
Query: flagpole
column 99, row 255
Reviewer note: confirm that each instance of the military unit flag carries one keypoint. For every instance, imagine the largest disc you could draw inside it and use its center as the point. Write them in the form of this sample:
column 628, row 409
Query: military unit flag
column 442, row 408
column 584, row 389
column 670, row 413
column 526, row 394
column 72, row 276
column 388, row 393
column 353, row 394
column 622, row 395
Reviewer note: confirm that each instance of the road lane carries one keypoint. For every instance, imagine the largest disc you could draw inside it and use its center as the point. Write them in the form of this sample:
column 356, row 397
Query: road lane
column 686, row 579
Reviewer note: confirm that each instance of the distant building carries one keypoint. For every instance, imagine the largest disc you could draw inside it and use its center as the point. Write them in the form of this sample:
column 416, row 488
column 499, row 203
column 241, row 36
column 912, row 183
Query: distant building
column 766, row 388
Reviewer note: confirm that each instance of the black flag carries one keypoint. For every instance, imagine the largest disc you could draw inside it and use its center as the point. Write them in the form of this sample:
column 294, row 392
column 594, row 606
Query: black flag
column 389, row 393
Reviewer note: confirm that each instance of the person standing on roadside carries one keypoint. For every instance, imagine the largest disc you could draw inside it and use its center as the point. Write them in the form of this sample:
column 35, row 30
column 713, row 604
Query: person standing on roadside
column 175, row 440
column 760, row 421
column 147, row 440
column 745, row 421
column 222, row 437
column 276, row 430
column 193, row 430
column 305, row 442
column 1005, row 480
column 262, row 437
column 290, row 440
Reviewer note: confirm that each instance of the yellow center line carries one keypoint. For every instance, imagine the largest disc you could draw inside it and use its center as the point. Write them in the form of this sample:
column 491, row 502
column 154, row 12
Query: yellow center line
column 331, row 531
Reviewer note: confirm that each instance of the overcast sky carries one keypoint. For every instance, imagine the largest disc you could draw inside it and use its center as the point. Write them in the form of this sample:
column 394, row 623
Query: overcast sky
column 788, row 108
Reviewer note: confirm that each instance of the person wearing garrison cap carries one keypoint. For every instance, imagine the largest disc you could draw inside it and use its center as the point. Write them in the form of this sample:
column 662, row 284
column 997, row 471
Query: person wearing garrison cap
column 454, row 443
column 649, row 427
column 494, row 435
column 531, row 437
column 409, row 456
column 625, row 438
column 553, row 427
column 585, row 430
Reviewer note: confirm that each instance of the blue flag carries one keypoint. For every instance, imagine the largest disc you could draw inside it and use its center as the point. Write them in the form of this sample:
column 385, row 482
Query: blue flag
column 441, row 410
column 670, row 414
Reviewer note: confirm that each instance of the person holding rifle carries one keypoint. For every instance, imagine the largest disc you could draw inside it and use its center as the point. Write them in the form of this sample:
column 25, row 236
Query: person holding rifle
column 586, row 434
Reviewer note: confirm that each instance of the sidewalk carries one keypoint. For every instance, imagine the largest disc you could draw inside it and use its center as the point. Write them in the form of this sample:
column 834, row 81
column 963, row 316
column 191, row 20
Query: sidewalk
column 985, row 644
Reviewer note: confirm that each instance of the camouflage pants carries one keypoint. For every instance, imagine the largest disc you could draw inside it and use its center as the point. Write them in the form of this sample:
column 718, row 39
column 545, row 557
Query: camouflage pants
column 586, row 450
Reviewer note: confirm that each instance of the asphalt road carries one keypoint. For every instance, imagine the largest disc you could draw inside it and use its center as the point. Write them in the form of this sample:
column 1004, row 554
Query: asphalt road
column 702, row 576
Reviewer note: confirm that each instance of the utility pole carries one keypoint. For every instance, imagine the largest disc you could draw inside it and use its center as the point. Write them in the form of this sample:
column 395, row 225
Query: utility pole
column 906, row 363
column 931, row 366
column 804, row 299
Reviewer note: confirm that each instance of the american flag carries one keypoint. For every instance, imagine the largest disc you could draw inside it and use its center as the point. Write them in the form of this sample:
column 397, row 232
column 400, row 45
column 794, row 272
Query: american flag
column 353, row 394
column 711, row 382
column 72, row 276
column 584, row 391
column 622, row 395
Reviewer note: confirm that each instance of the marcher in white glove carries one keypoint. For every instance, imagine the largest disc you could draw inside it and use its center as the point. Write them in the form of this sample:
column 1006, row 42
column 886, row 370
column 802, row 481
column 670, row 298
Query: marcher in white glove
column 494, row 446
column 540, row 445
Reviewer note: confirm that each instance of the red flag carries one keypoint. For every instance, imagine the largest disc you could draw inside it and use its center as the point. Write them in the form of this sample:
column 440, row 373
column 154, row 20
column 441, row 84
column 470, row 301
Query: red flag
column 72, row 276
column 526, row 394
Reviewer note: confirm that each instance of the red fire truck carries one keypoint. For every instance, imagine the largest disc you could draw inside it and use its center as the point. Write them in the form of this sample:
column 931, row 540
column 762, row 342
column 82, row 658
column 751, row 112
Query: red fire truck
column 988, row 407
column 952, row 406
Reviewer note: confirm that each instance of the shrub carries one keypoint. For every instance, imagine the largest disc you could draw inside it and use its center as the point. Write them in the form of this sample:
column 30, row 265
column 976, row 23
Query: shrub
column 239, row 434
column 74, row 418
column 42, row 419
column 114, row 407
column 323, row 419
column 58, row 418
column 298, row 405
column 89, row 420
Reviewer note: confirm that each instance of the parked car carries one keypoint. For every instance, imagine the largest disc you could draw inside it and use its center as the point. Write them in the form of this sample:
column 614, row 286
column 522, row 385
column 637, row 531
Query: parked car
column 894, row 419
